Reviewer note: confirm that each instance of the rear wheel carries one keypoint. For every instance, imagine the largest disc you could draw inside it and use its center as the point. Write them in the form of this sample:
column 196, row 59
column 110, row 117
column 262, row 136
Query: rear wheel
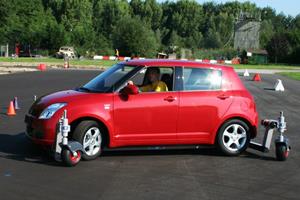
column 233, row 137
column 89, row 134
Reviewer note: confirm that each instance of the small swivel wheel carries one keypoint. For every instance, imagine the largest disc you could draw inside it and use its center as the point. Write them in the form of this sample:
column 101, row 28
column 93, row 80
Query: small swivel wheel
column 69, row 158
column 282, row 151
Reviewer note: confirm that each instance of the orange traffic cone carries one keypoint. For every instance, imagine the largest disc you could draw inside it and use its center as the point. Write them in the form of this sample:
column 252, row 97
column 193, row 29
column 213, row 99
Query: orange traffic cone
column 11, row 109
column 66, row 64
column 42, row 67
column 256, row 77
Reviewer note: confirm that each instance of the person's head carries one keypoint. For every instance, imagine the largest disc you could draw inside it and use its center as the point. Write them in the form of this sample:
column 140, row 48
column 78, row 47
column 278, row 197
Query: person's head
column 153, row 74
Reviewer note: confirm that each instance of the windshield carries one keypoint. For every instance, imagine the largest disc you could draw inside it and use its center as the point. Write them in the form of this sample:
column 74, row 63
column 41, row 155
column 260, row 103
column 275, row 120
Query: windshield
column 106, row 80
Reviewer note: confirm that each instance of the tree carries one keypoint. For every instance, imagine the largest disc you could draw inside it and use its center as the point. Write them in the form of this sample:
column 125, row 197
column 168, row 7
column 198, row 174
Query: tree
column 174, row 39
column 93, row 25
column 212, row 39
column 26, row 22
column 278, row 47
column 53, row 35
column 294, row 40
column 103, row 45
column 133, row 38
column 5, row 10
column 186, row 18
column 149, row 11
column 268, row 13
column 211, row 8
column 222, row 28
column 107, row 14
column 266, row 33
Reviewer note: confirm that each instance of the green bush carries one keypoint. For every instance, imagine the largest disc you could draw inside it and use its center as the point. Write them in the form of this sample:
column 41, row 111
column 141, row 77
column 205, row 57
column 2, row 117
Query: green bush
column 41, row 52
column 216, row 54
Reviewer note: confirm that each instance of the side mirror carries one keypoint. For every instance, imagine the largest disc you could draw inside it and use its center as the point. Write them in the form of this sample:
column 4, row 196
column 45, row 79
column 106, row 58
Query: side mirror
column 130, row 89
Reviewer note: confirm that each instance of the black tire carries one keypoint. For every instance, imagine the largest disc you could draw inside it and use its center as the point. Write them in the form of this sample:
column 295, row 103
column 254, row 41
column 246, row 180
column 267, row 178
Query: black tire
column 81, row 132
column 68, row 158
column 282, row 152
column 232, row 132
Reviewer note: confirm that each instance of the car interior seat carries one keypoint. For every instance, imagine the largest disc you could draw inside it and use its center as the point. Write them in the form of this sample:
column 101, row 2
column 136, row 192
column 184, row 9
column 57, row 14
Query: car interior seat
column 167, row 78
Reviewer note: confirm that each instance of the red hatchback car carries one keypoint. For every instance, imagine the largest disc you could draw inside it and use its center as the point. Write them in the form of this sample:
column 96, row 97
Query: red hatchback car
column 183, row 103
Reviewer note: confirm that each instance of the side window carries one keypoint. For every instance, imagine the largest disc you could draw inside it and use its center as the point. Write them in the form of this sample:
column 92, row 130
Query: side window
column 201, row 79
column 142, row 78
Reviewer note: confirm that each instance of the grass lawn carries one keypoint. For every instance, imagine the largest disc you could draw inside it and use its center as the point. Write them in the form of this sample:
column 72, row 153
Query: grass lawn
column 292, row 75
column 107, row 63
column 269, row 66
column 100, row 63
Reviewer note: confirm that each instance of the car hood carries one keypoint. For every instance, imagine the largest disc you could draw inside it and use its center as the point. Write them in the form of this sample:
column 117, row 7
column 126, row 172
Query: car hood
column 66, row 96
column 62, row 97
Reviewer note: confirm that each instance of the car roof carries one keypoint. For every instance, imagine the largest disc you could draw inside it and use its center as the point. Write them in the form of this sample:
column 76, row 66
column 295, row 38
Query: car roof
column 173, row 63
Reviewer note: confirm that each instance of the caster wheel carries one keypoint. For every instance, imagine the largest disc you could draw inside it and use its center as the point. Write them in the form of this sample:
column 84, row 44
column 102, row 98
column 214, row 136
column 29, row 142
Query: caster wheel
column 69, row 159
column 282, row 152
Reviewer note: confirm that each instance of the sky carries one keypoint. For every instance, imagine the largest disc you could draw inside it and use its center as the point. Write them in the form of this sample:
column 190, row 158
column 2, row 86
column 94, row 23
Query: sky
column 288, row 7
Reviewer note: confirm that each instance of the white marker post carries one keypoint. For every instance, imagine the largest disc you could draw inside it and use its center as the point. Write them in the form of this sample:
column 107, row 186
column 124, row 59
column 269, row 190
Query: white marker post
column 279, row 86
column 246, row 73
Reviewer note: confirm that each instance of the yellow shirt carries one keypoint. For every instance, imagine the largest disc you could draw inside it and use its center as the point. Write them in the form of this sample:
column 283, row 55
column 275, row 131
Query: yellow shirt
column 158, row 86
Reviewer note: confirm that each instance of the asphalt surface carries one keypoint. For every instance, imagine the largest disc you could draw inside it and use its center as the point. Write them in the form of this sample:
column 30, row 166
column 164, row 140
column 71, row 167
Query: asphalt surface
column 27, row 172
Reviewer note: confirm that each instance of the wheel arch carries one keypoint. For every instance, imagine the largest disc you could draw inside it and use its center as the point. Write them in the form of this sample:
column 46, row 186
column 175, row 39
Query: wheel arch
column 253, row 130
column 106, row 138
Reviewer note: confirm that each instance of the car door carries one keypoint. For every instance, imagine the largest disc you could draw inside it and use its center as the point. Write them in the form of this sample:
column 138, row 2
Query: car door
column 202, row 104
column 147, row 118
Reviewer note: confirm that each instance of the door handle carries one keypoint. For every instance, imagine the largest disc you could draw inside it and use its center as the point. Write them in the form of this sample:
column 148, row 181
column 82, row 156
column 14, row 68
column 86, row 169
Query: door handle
column 170, row 99
column 223, row 96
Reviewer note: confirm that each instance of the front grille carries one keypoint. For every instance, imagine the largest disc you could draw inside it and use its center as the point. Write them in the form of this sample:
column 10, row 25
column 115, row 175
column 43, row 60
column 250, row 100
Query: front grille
column 29, row 131
column 34, row 133
column 35, row 111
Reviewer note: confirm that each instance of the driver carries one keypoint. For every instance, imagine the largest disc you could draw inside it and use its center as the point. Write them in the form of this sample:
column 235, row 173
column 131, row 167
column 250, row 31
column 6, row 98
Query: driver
column 155, row 84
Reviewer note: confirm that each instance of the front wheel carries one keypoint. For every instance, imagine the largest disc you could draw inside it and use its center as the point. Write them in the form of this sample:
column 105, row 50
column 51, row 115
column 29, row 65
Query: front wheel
column 89, row 134
column 233, row 137
column 282, row 152
column 69, row 158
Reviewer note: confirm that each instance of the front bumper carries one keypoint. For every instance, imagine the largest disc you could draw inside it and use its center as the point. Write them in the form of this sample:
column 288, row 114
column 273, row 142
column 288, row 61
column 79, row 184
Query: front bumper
column 40, row 131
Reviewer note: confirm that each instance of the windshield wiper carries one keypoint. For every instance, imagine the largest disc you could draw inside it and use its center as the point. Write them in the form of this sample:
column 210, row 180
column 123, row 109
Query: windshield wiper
column 84, row 88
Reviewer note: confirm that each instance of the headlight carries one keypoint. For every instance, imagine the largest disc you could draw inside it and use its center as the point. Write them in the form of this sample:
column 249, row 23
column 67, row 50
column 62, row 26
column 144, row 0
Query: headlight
column 51, row 110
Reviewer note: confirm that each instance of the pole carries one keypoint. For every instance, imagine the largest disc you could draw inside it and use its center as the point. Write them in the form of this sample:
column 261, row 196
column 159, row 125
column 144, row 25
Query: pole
column 6, row 53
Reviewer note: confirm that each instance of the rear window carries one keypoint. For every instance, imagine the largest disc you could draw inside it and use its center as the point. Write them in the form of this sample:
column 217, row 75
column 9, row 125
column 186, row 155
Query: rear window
column 201, row 79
